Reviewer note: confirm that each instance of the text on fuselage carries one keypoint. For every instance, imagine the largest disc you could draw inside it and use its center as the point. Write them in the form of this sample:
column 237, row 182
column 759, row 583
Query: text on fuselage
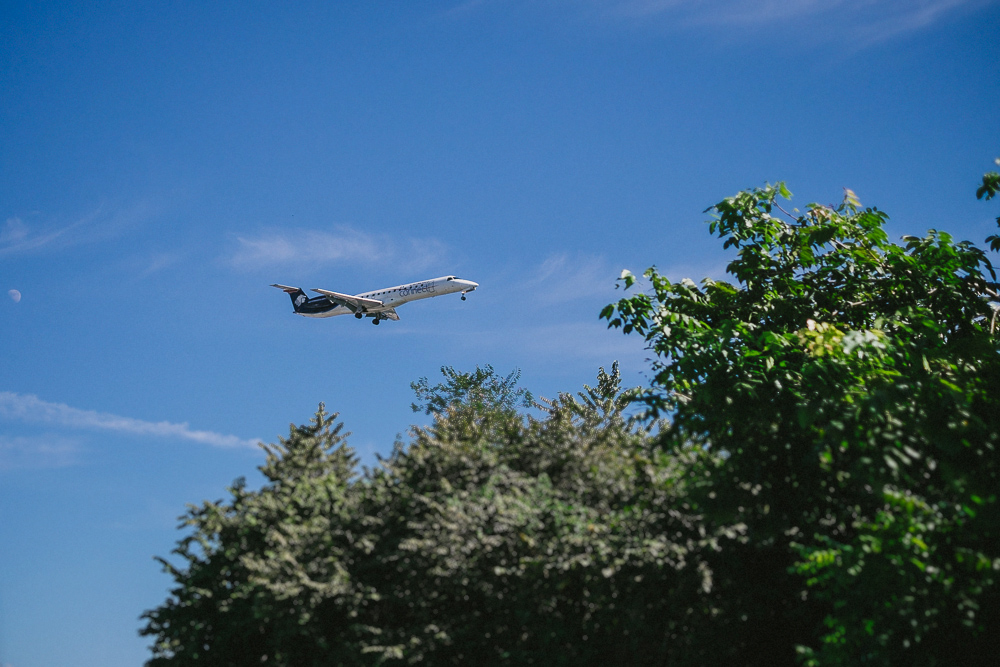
column 416, row 288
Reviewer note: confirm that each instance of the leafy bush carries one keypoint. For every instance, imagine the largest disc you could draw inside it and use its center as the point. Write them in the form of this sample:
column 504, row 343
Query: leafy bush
column 851, row 390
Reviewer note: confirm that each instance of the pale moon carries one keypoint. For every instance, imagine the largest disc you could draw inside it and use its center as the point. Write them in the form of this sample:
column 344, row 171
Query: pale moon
column 14, row 295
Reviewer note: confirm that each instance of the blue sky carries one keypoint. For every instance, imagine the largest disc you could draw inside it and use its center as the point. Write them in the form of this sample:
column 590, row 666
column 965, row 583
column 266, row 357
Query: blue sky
column 162, row 163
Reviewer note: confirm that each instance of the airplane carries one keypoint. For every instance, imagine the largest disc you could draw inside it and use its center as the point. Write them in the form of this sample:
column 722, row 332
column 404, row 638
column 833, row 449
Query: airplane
column 379, row 304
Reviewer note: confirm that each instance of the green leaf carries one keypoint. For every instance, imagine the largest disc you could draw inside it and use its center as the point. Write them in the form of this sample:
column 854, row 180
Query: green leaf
column 627, row 277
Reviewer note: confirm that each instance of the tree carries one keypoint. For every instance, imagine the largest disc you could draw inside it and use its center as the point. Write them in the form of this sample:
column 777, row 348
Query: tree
column 989, row 189
column 495, row 536
column 245, row 594
column 850, row 389
column 529, row 544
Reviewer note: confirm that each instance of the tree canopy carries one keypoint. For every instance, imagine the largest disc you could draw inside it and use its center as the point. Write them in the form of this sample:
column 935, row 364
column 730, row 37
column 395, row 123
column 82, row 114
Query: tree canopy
column 850, row 388
column 494, row 536
column 813, row 481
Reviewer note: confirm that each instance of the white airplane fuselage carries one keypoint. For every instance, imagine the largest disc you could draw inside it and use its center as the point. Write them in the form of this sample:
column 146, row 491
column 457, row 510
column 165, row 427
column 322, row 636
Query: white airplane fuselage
column 378, row 304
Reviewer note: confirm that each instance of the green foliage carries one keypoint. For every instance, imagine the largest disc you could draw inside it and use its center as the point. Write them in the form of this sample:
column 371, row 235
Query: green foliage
column 481, row 391
column 850, row 389
column 519, row 546
column 988, row 190
column 246, row 590
column 483, row 403
column 990, row 186
column 553, row 538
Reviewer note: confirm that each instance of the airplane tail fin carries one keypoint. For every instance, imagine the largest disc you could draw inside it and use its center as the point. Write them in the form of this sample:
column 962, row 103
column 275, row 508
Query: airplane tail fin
column 298, row 296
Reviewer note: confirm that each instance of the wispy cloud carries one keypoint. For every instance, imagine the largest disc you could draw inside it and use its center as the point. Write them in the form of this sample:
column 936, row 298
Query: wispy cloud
column 20, row 237
column 469, row 6
column 551, row 312
column 867, row 21
column 864, row 22
column 29, row 408
column 591, row 341
column 566, row 331
column 343, row 244
column 17, row 237
column 911, row 17
column 157, row 263
column 770, row 11
column 43, row 451
column 561, row 278
column 722, row 11
column 13, row 231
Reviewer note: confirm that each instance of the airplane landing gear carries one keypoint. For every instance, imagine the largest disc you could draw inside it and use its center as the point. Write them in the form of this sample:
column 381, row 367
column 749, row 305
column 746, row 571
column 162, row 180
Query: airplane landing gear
column 376, row 321
column 358, row 315
column 463, row 297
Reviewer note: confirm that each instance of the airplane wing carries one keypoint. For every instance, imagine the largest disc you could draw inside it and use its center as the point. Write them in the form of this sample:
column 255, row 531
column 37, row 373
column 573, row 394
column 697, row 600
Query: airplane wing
column 389, row 314
column 355, row 303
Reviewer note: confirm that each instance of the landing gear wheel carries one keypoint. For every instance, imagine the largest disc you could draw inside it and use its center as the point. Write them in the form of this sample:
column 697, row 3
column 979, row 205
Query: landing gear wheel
column 376, row 321
column 358, row 315
column 463, row 297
